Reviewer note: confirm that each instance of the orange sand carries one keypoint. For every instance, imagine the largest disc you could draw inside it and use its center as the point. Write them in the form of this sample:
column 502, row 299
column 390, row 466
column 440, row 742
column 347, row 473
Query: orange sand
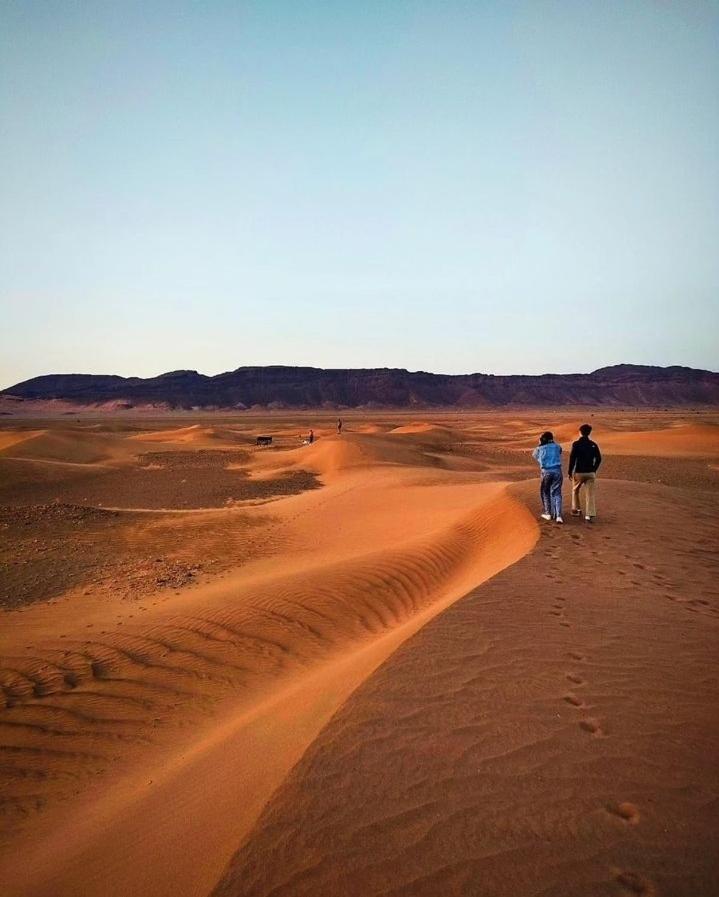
column 521, row 740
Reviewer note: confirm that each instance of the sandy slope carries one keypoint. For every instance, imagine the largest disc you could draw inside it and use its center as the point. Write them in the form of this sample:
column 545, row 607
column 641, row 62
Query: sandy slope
column 10, row 438
column 554, row 733
column 551, row 734
column 270, row 652
column 679, row 440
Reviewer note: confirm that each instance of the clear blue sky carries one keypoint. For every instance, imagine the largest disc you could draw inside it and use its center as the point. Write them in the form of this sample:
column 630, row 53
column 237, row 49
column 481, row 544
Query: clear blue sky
column 448, row 186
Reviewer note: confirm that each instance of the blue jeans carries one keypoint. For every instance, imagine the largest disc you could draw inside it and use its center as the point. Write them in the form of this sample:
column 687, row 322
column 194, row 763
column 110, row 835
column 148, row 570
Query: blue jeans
column 550, row 489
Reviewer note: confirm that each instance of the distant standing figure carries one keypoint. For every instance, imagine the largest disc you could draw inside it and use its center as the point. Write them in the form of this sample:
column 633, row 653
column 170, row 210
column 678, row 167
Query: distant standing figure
column 339, row 426
column 311, row 437
column 548, row 454
column 584, row 461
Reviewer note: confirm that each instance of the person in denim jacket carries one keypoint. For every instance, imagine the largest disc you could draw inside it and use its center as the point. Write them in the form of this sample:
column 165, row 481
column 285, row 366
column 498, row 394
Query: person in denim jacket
column 548, row 454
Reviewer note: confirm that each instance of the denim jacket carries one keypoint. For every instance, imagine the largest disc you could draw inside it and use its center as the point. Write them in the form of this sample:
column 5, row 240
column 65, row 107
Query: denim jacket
column 549, row 456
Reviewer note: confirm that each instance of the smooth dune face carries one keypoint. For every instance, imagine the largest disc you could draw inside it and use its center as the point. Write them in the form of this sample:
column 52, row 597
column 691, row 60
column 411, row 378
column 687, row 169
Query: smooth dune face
column 190, row 657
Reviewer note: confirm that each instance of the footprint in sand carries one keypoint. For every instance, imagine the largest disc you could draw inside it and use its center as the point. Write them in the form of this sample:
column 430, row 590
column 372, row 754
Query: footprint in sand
column 575, row 679
column 592, row 726
column 575, row 655
column 625, row 811
column 564, row 623
column 635, row 884
column 574, row 700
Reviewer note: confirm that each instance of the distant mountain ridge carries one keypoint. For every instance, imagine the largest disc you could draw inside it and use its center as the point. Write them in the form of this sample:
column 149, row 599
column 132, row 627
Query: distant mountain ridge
column 306, row 387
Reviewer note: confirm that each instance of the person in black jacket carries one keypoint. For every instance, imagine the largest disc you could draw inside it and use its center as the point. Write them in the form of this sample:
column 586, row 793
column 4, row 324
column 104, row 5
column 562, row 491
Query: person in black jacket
column 584, row 462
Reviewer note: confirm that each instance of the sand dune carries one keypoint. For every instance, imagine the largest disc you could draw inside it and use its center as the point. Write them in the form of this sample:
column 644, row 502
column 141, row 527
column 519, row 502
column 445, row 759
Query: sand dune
column 327, row 706
column 650, row 437
column 345, row 596
column 548, row 734
column 10, row 438
column 191, row 434
column 680, row 440
column 63, row 445
column 326, row 457
column 368, row 428
column 422, row 428
column 333, row 456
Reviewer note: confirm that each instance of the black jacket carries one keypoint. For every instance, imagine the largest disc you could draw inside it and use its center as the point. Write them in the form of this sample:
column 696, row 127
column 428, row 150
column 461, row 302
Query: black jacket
column 585, row 456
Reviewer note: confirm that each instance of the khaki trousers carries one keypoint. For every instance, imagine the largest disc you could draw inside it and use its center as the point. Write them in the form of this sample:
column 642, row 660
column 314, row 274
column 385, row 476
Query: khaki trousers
column 589, row 481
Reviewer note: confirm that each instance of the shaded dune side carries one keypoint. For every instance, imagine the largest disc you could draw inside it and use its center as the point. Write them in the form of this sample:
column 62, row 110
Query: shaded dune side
column 554, row 733
column 78, row 706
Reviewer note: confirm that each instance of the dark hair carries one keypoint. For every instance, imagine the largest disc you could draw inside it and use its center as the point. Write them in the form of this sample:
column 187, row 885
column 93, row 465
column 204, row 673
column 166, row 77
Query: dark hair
column 546, row 437
column 585, row 429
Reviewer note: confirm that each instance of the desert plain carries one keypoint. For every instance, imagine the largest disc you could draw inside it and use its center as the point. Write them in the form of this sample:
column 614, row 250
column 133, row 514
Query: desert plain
column 361, row 666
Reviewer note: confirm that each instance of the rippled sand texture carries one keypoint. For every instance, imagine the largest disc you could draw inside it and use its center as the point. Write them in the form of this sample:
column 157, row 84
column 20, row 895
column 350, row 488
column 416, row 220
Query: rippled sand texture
column 319, row 714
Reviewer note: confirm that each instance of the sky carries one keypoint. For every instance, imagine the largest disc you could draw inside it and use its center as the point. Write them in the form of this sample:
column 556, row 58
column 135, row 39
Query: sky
column 503, row 187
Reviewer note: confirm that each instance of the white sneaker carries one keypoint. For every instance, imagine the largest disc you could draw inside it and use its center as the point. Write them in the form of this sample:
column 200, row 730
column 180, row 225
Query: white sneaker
column 588, row 518
column 546, row 516
column 559, row 520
